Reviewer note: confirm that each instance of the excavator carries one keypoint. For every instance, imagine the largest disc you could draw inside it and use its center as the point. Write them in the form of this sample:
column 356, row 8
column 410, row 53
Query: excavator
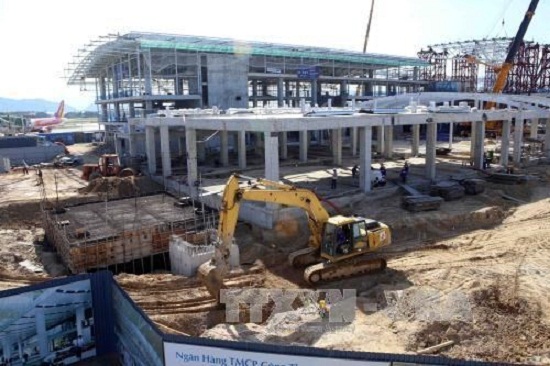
column 338, row 246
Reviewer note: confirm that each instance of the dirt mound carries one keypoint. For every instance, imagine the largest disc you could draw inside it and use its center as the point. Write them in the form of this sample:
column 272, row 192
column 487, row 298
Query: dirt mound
column 112, row 187
column 506, row 328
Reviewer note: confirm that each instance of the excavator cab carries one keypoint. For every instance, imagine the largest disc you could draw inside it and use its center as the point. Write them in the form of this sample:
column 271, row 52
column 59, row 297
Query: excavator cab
column 346, row 237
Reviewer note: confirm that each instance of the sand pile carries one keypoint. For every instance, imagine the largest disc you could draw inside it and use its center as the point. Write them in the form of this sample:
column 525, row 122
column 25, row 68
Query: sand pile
column 112, row 187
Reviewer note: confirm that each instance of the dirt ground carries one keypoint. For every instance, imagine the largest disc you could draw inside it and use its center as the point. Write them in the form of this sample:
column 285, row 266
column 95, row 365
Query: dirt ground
column 475, row 272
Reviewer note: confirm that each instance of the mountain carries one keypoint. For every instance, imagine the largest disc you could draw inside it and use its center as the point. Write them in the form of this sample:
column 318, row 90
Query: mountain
column 30, row 105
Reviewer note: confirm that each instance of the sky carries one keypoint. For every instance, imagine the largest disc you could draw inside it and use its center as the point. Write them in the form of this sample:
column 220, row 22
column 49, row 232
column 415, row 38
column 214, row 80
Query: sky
column 39, row 38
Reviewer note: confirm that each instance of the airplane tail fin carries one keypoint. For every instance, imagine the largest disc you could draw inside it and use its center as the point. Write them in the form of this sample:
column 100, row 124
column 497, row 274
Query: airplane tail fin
column 60, row 110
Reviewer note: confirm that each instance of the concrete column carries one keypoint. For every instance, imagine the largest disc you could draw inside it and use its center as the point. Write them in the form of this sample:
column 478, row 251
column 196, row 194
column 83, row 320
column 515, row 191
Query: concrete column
column 150, row 149
column 451, row 135
column 431, row 140
column 388, row 137
column 181, row 146
column 258, row 147
column 304, row 142
column 344, row 92
column 283, row 136
column 271, row 155
column 79, row 319
column 224, row 148
column 132, row 148
column 518, row 137
column 505, row 143
column 118, row 146
column 165, row 151
column 534, row 128
column 6, row 347
column 478, row 142
column 254, row 93
column 201, row 152
column 354, row 141
column 472, row 140
column 191, row 148
column 241, row 143
column 415, row 141
column 280, row 93
column 132, row 110
column 336, row 139
column 314, row 90
column 20, row 349
column 365, row 152
column 547, row 138
column 41, row 334
column 380, row 139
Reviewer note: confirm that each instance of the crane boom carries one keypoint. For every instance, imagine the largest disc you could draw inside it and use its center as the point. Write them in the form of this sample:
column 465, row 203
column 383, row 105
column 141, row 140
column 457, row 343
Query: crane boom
column 368, row 27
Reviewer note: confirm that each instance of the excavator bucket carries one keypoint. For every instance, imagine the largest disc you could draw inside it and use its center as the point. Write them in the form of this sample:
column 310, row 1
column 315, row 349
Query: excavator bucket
column 211, row 277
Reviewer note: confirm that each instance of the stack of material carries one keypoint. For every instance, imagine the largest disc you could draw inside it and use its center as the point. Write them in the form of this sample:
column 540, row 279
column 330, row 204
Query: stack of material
column 447, row 190
column 505, row 178
column 473, row 186
column 421, row 203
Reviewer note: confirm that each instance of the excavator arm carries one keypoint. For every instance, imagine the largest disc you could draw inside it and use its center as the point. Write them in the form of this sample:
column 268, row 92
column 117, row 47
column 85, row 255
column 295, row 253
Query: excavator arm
column 213, row 272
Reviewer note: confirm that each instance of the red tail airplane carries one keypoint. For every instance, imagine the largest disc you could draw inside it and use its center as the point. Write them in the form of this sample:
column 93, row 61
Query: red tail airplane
column 41, row 124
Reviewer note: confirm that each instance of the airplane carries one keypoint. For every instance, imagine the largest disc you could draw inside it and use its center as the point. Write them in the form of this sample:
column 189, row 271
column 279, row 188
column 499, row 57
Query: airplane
column 47, row 124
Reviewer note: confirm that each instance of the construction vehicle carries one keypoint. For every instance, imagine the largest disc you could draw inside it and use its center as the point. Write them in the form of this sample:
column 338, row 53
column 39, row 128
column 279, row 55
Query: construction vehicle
column 338, row 246
column 108, row 166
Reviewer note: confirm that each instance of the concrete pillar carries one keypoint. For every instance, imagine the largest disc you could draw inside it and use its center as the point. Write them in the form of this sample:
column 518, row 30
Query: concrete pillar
column 118, row 146
column 415, row 141
column 241, row 144
column 304, row 142
column 505, row 143
column 518, row 137
column 150, row 149
column 20, row 349
column 479, row 146
column 380, row 139
column 132, row 110
column 224, row 148
column 451, row 135
column 132, row 143
column 365, row 152
column 472, row 141
column 344, row 92
column 314, row 90
column 254, row 93
column 258, row 147
column 354, row 140
column 181, row 146
column 431, row 140
column 283, row 136
column 336, row 139
column 388, row 137
column 6, row 347
column 534, row 128
column 41, row 334
column 165, row 151
column 201, row 152
column 280, row 93
column 271, row 155
column 79, row 319
column 547, row 138
column 191, row 148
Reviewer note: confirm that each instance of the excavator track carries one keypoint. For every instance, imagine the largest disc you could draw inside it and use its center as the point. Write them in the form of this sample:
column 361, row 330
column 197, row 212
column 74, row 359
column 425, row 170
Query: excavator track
column 325, row 272
column 304, row 257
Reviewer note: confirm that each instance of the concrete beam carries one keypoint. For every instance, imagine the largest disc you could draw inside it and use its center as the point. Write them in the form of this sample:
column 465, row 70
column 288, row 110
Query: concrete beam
column 192, row 168
column 365, row 152
column 241, row 143
column 505, row 143
column 165, row 151
column 431, row 140
column 271, row 156
column 224, row 147
column 150, row 149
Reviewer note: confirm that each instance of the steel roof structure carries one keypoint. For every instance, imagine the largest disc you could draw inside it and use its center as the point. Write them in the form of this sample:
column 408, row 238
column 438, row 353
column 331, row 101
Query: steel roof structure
column 95, row 56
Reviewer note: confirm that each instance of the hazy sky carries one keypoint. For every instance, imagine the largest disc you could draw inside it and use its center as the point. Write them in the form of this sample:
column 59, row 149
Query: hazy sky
column 40, row 37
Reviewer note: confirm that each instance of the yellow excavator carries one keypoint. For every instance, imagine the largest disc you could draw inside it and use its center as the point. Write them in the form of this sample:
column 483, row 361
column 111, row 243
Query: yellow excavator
column 338, row 246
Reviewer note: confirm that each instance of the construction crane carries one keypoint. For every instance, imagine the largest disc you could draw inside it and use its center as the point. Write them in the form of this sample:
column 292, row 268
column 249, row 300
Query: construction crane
column 368, row 27
column 338, row 246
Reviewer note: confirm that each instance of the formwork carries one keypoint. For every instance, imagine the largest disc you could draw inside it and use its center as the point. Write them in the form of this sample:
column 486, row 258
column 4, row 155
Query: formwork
column 109, row 233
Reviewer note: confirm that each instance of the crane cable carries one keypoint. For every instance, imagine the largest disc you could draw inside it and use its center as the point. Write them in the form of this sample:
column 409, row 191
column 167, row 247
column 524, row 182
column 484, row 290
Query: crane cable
column 501, row 16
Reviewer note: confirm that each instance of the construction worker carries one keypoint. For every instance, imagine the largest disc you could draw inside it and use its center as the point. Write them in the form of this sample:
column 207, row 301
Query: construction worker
column 354, row 171
column 383, row 170
column 403, row 175
column 334, row 179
